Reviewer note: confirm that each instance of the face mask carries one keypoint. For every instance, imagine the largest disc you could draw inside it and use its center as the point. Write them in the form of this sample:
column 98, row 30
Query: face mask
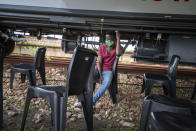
column 109, row 43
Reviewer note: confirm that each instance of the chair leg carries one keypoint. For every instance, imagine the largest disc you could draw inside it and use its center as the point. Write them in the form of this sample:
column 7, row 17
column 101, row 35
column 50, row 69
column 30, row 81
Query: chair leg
column 146, row 108
column 34, row 77
column 12, row 79
column 165, row 89
column 28, row 100
column 54, row 103
column 115, row 83
column 23, row 77
column 30, row 77
column 52, row 120
column 42, row 75
column 88, row 110
column 112, row 91
column 62, row 101
column 173, row 88
column 63, row 110
column 194, row 91
column 148, row 86
column 143, row 86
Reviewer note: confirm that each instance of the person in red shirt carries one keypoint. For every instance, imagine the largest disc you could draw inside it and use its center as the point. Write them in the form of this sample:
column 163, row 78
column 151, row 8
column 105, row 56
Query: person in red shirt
column 106, row 56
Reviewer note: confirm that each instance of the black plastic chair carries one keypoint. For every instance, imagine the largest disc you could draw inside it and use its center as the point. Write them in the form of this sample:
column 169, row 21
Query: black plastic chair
column 167, row 81
column 167, row 121
column 113, row 88
column 29, row 70
column 79, row 81
column 159, row 103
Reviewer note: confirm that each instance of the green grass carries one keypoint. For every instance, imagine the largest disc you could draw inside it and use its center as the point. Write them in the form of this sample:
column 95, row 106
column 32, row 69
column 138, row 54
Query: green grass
column 30, row 106
column 135, row 128
column 12, row 101
column 35, row 44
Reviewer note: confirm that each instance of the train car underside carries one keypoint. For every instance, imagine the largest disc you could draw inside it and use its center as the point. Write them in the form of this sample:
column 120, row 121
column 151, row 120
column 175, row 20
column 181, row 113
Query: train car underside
column 156, row 37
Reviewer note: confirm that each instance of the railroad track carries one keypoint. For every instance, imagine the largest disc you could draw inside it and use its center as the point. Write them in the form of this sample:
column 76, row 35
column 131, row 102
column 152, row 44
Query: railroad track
column 183, row 71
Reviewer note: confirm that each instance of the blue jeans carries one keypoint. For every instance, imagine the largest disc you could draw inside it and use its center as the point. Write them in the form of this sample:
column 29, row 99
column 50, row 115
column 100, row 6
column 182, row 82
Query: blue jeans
column 107, row 78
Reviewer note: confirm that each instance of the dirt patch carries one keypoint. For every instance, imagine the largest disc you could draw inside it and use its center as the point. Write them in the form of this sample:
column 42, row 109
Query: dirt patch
column 122, row 116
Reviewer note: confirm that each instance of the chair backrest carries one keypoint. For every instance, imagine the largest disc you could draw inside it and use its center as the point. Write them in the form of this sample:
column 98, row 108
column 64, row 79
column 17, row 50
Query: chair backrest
column 80, row 71
column 114, row 68
column 173, row 66
column 39, row 59
column 113, row 88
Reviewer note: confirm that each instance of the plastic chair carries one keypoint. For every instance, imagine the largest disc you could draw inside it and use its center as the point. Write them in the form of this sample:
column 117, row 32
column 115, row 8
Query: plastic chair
column 113, row 88
column 167, row 121
column 29, row 70
column 159, row 103
column 79, row 81
column 167, row 81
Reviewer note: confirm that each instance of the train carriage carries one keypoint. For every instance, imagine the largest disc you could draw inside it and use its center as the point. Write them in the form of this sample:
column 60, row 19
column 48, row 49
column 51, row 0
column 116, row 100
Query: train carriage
column 156, row 28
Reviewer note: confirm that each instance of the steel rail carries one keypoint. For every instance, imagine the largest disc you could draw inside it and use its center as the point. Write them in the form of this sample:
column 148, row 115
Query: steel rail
column 140, row 68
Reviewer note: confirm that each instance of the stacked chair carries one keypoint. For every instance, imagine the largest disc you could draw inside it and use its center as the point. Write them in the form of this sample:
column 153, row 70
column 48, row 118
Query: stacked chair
column 162, row 113
column 160, row 103
column 168, row 121
column 167, row 81
column 79, row 82
column 29, row 70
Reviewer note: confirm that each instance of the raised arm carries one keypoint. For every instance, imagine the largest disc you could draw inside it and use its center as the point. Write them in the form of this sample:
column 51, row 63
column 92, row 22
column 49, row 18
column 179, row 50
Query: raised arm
column 119, row 49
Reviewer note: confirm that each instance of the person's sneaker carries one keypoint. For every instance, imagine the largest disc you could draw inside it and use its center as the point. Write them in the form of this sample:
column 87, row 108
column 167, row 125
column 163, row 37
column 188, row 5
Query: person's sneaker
column 78, row 105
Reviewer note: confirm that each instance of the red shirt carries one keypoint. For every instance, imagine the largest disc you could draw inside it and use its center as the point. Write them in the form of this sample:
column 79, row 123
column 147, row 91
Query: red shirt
column 107, row 59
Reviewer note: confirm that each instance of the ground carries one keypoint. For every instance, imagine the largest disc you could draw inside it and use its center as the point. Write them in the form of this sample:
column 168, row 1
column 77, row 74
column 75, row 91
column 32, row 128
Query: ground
column 123, row 116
